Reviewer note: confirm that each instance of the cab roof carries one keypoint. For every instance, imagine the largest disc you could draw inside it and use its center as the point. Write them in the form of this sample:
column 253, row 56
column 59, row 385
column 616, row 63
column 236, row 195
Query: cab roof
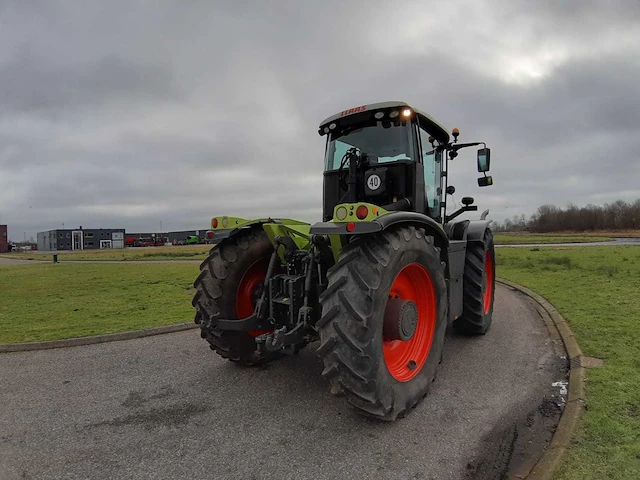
column 435, row 128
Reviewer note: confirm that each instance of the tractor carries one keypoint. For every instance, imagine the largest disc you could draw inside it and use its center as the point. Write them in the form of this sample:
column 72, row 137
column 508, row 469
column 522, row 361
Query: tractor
column 192, row 240
column 377, row 282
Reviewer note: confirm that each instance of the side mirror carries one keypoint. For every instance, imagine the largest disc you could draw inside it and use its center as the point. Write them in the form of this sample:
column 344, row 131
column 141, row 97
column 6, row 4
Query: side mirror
column 485, row 181
column 484, row 157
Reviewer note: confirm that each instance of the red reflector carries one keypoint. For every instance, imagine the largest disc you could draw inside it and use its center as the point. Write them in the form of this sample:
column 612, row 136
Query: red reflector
column 351, row 226
column 362, row 212
column 209, row 234
column 214, row 224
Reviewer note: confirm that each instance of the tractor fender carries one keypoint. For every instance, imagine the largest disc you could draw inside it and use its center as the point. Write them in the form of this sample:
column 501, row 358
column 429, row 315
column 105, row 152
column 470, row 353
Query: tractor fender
column 337, row 229
column 416, row 219
column 476, row 229
column 220, row 235
column 467, row 230
column 224, row 233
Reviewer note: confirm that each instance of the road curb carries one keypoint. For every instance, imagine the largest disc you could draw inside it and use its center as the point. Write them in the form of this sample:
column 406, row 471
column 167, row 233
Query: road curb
column 550, row 459
column 110, row 337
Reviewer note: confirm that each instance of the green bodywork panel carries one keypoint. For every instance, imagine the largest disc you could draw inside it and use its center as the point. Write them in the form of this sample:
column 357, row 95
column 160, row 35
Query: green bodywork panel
column 225, row 222
column 192, row 239
column 298, row 231
column 374, row 212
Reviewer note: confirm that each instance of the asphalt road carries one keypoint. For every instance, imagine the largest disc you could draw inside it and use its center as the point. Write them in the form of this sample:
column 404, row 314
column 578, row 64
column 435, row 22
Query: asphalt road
column 616, row 242
column 168, row 407
column 10, row 262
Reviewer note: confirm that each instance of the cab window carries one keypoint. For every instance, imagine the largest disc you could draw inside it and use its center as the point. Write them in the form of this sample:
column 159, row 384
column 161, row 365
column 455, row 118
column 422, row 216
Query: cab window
column 432, row 164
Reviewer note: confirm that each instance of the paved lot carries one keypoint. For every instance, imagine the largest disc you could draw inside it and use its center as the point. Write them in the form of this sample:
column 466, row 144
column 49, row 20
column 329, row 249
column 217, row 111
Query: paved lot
column 167, row 407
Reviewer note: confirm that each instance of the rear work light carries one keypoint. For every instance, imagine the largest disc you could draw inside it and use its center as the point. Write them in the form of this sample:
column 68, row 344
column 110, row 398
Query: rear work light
column 362, row 212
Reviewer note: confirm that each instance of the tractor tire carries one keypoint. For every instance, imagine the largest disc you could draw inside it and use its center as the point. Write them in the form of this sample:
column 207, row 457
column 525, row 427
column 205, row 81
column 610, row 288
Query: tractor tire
column 380, row 374
column 230, row 280
column 479, row 288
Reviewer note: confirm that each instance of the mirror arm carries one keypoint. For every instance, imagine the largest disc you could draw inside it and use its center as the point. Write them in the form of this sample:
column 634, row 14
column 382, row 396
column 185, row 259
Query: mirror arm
column 458, row 146
column 466, row 208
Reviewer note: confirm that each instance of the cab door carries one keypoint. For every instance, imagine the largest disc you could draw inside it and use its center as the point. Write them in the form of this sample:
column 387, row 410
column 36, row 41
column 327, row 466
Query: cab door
column 432, row 162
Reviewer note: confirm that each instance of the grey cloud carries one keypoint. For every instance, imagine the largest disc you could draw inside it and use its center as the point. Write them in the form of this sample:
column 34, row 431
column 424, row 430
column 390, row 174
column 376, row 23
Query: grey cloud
column 32, row 83
column 135, row 113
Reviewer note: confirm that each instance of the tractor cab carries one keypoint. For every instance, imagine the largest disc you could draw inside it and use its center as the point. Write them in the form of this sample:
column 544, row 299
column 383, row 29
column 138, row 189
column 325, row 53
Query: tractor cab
column 390, row 155
column 391, row 149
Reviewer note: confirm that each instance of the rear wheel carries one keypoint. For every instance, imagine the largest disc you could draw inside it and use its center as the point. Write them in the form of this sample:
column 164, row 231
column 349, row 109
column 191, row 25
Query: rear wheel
column 230, row 282
column 479, row 287
column 383, row 321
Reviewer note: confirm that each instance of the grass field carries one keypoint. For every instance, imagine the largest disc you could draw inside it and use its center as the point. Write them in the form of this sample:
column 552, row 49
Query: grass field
column 597, row 290
column 604, row 233
column 190, row 252
column 51, row 302
column 527, row 238
column 199, row 252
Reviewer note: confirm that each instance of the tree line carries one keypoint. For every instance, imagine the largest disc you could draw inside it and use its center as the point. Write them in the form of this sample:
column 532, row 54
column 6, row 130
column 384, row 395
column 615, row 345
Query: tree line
column 619, row 215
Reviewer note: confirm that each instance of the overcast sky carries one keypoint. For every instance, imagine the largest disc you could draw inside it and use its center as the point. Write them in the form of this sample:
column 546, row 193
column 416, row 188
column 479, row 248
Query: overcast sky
column 126, row 114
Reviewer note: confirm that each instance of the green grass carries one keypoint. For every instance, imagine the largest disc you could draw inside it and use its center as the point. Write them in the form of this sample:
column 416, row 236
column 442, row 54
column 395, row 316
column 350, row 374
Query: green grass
column 526, row 238
column 597, row 290
column 50, row 302
column 191, row 252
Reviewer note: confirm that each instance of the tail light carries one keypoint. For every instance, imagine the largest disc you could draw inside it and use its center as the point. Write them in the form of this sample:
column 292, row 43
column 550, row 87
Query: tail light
column 362, row 212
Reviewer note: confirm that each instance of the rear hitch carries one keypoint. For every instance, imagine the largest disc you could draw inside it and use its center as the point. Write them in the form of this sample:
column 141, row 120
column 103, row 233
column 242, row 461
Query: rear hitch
column 286, row 304
column 283, row 341
column 252, row 322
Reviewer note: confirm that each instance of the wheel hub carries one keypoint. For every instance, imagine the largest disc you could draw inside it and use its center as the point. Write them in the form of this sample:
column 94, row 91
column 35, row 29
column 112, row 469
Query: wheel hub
column 400, row 319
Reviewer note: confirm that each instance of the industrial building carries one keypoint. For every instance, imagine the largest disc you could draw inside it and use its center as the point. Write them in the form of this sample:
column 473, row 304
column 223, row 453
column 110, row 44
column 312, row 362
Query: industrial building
column 101, row 238
column 168, row 237
column 4, row 244
column 81, row 239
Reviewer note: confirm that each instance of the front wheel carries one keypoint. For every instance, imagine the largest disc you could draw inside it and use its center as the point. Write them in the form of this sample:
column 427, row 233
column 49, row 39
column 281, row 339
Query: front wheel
column 479, row 287
column 383, row 321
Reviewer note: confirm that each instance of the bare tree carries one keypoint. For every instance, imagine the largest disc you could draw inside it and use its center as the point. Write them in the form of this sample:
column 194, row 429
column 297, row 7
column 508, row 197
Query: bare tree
column 618, row 215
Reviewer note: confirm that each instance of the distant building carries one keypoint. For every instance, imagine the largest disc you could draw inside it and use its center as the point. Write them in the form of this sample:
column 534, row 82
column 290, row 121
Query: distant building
column 169, row 237
column 81, row 239
column 4, row 245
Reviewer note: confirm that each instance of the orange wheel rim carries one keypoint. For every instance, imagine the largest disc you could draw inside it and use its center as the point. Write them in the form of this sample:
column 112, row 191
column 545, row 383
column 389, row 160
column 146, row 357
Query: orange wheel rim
column 404, row 359
column 488, row 287
column 248, row 290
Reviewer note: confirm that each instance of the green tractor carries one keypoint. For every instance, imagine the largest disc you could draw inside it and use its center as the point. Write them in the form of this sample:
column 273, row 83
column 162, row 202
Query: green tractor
column 376, row 282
